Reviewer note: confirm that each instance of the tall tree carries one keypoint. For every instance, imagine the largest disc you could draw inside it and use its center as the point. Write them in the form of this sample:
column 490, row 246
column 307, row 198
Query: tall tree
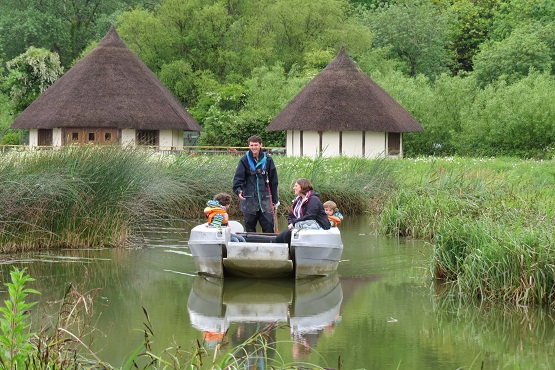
column 513, row 14
column 63, row 26
column 473, row 27
column 417, row 32
column 512, row 58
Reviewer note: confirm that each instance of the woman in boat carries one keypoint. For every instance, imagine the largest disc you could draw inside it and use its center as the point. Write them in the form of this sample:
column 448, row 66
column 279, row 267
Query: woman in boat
column 307, row 211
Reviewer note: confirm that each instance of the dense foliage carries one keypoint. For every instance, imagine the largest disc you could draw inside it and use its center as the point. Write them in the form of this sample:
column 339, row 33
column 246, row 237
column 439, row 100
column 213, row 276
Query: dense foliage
column 457, row 65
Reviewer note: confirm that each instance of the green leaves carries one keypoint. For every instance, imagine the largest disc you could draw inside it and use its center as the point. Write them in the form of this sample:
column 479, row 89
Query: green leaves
column 30, row 74
column 14, row 341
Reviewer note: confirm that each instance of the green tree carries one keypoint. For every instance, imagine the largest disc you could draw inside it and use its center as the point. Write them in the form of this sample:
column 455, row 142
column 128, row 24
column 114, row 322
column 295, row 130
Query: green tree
column 417, row 32
column 237, row 112
column 512, row 58
column 473, row 26
column 299, row 28
column 203, row 50
column 65, row 27
column 501, row 122
column 513, row 14
column 437, row 105
column 217, row 110
column 179, row 78
column 30, row 74
column 231, row 38
column 149, row 37
column 6, row 116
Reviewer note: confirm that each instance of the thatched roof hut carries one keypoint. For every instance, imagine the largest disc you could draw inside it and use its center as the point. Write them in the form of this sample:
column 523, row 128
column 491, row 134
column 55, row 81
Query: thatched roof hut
column 109, row 88
column 342, row 98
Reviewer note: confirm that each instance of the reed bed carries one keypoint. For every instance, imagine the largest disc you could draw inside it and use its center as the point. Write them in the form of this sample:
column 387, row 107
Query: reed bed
column 102, row 196
column 490, row 221
column 83, row 197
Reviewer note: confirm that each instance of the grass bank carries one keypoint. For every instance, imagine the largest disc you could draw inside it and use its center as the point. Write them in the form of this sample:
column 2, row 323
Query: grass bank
column 490, row 221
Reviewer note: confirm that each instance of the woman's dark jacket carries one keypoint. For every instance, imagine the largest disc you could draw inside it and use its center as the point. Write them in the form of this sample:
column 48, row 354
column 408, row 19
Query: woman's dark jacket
column 311, row 209
column 253, row 177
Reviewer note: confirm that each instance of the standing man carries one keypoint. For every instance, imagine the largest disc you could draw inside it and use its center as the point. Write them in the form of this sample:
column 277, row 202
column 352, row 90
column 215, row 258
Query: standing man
column 256, row 184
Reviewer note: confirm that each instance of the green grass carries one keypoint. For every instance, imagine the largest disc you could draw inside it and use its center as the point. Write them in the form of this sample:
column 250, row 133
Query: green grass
column 490, row 221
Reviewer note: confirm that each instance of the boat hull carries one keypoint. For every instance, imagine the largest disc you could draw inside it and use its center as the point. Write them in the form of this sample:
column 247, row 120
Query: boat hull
column 258, row 260
column 208, row 247
column 315, row 255
column 312, row 253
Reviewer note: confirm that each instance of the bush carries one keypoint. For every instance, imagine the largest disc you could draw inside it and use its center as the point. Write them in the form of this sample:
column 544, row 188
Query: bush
column 11, row 138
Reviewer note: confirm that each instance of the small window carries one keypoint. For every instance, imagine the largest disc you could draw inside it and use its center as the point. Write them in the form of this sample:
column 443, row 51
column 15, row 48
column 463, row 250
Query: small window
column 147, row 137
column 108, row 136
column 91, row 136
column 75, row 136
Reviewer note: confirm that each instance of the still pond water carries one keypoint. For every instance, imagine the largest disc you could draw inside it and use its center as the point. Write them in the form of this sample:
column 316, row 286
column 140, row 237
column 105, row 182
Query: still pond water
column 381, row 311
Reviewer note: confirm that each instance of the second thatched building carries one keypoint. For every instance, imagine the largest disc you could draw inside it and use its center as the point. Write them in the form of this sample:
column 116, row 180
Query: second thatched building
column 342, row 111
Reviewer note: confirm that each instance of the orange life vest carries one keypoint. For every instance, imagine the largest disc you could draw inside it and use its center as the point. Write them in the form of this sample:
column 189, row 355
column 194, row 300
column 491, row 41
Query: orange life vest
column 210, row 335
column 213, row 211
column 336, row 220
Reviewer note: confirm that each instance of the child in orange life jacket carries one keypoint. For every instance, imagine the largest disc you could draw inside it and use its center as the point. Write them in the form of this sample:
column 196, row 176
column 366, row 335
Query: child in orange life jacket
column 216, row 211
column 333, row 213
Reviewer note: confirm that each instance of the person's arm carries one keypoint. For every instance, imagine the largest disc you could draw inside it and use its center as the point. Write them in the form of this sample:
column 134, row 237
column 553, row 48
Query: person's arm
column 239, row 179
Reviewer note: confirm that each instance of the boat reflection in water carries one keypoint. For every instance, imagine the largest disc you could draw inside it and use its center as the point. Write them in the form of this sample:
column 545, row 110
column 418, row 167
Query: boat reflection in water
column 308, row 307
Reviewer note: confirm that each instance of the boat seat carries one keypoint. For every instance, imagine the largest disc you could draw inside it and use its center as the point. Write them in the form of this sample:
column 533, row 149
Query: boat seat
column 236, row 227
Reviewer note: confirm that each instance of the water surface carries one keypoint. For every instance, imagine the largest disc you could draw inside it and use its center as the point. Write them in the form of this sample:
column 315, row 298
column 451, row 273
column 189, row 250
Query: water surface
column 380, row 312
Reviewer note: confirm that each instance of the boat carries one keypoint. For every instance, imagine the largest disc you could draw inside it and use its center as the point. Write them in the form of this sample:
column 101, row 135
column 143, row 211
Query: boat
column 309, row 306
column 312, row 252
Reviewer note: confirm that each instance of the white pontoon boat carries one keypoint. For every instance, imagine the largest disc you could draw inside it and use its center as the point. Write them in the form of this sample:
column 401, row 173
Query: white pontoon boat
column 312, row 252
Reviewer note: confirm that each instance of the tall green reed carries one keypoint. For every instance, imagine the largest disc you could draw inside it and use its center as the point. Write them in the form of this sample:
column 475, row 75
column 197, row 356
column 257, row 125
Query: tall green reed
column 15, row 345
column 81, row 197
column 357, row 185
column 489, row 221
column 97, row 196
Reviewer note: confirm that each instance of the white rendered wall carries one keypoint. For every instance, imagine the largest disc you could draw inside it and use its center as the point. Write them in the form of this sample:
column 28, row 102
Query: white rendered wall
column 311, row 144
column 292, row 144
column 330, row 144
column 57, row 137
column 128, row 137
column 33, row 137
column 375, row 144
column 171, row 139
column 351, row 143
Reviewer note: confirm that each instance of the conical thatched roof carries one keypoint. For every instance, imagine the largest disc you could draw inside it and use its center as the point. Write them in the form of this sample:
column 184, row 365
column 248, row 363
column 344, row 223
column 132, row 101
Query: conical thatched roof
column 343, row 98
column 110, row 88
